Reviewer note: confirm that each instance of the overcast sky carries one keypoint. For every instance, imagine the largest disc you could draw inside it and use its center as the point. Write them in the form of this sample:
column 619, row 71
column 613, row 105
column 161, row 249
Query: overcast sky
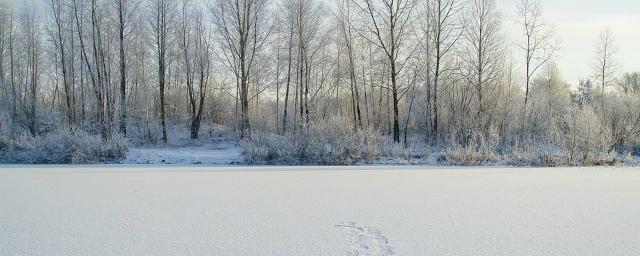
column 578, row 24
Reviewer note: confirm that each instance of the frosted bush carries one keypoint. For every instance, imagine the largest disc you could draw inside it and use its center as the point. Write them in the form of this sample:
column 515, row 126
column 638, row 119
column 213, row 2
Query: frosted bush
column 60, row 146
column 328, row 142
column 65, row 146
column 20, row 149
column 629, row 159
column 116, row 147
column 5, row 142
column 478, row 149
column 263, row 147
column 535, row 154
column 578, row 138
column 5, row 139
column 588, row 141
column 97, row 151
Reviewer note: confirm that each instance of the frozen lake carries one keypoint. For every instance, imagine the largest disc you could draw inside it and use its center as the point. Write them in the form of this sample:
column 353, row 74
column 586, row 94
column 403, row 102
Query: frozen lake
column 157, row 210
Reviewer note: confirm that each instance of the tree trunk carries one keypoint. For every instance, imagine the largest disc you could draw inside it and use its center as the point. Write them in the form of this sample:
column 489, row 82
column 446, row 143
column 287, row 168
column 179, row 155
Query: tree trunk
column 394, row 92
column 163, row 111
column 123, row 71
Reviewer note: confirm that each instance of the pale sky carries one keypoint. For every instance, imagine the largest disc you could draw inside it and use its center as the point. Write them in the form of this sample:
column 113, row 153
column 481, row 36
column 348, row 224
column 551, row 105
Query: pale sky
column 578, row 24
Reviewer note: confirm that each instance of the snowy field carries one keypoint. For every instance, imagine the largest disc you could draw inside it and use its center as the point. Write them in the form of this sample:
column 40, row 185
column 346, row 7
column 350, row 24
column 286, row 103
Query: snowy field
column 154, row 210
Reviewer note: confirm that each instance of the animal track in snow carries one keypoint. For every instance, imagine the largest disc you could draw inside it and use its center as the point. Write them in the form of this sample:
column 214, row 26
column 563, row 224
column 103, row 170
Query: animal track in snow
column 366, row 240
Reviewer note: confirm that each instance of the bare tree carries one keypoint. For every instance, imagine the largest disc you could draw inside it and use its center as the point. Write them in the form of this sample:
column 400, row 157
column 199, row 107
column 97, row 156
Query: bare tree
column 605, row 64
column 161, row 16
column 483, row 54
column 195, row 48
column 12, row 64
column 290, row 29
column 124, row 10
column 278, row 47
column 446, row 29
column 539, row 44
column 4, row 29
column 96, row 63
column 345, row 24
column 306, row 20
column 64, row 54
column 387, row 25
column 243, row 27
column 31, row 32
column 185, row 43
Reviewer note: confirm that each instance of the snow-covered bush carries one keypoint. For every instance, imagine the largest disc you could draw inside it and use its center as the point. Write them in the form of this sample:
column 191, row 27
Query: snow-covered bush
column 65, row 146
column 62, row 146
column 5, row 132
column 5, row 141
column 588, row 141
column 478, row 149
column 146, row 131
column 78, row 146
column 113, row 149
column 531, row 153
column 332, row 141
column 263, row 147
column 576, row 138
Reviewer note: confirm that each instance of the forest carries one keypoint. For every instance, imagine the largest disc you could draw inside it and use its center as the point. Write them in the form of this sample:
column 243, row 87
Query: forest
column 308, row 82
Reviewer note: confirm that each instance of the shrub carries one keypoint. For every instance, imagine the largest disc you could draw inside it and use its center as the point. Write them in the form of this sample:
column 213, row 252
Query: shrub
column 5, row 139
column 330, row 142
column 543, row 154
column 478, row 149
column 64, row 146
column 5, row 142
column 588, row 142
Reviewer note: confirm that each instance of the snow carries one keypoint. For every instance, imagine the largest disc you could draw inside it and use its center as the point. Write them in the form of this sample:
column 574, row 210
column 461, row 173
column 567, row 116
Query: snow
column 219, row 147
column 191, row 210
column 212, row 154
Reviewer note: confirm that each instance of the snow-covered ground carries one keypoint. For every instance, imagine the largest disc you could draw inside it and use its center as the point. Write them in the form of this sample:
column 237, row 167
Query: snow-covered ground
column 156, row 210
column 218, row 147
column 223, row 152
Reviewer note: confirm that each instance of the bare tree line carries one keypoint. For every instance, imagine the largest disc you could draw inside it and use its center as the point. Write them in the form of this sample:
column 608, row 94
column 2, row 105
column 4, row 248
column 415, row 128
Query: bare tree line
column 443, row 70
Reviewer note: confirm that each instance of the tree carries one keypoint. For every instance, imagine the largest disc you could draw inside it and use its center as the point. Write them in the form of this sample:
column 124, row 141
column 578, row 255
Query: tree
column 243, row 27
column 278, row 47
column 63, row 47
column 630, row 83
column 4, row 31
column 124, row 10
column 96, row 63
column 12, row 63
column 345, row 25
column 483, row 53
column 304, row 17
column 605, row 64
column 539, row 44
column 445, row 31
column 290, row 29
column 585, row 92
column 31, row 32
column 388, row 27
column 195, row 48
column 162, row 16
